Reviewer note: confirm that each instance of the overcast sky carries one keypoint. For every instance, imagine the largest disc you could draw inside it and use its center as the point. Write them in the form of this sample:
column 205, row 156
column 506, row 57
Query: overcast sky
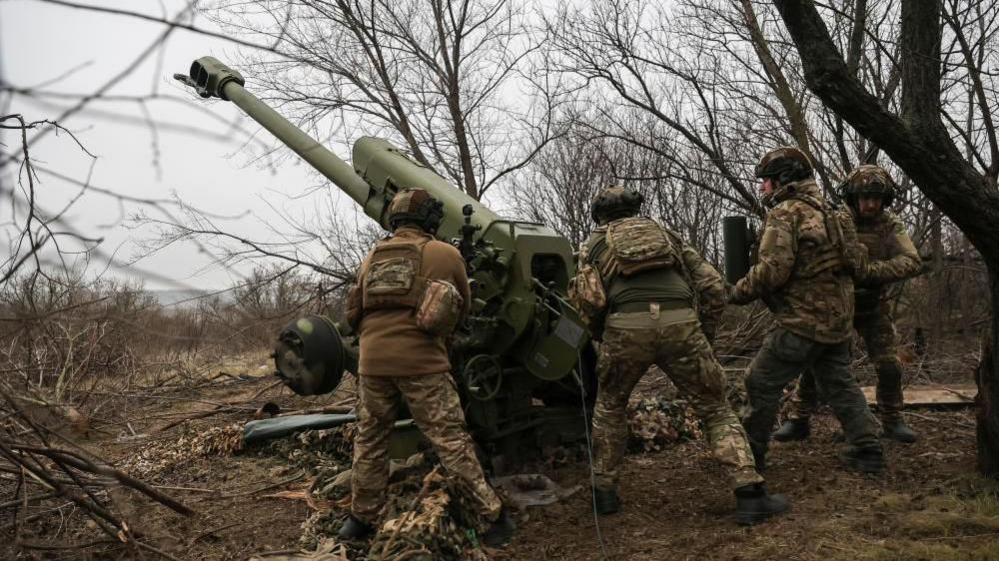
column 212, row 170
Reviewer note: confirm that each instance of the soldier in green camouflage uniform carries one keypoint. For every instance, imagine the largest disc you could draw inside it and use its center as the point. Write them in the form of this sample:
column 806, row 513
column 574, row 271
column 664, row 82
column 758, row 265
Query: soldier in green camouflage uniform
column 807, row 255
column 869, row 191
column 652, row 318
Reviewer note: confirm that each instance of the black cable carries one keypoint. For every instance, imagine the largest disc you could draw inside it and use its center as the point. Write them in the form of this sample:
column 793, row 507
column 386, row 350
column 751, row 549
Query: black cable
column 589, row 454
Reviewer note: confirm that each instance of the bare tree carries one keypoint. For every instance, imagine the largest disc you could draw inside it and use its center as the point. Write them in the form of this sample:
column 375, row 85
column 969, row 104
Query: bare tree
column 449, row 79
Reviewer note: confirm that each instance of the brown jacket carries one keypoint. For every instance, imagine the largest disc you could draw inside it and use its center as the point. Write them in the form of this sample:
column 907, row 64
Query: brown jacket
column 391, row 344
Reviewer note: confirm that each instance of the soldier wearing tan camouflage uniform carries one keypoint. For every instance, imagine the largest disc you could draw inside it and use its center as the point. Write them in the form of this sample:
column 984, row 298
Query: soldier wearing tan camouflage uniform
column 641, row 288
column 869, row 192
column 807, row 256
column 401, row 360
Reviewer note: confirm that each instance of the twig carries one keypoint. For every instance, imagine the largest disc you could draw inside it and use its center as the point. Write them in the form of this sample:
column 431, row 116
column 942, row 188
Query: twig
column 83, row 464
column 54, row 547
column 291, row 479
column 198, row 415
column 214, row 530
column 192, row 489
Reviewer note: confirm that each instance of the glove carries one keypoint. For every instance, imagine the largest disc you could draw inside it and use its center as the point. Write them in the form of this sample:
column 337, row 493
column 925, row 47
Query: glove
column 735, row 296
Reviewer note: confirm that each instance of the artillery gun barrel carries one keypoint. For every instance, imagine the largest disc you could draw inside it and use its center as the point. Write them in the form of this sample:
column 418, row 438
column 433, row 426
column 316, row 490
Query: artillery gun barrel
column 379, row 169
column 211, row 78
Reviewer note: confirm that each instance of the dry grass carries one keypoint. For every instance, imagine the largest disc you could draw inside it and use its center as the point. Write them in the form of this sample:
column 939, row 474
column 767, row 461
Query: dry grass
column 957, row 523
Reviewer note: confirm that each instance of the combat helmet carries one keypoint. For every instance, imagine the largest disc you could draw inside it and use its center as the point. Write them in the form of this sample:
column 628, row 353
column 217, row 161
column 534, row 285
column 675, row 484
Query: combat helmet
column 871, row 181
column 416, row 206
column 785, row 164
column 615, row 202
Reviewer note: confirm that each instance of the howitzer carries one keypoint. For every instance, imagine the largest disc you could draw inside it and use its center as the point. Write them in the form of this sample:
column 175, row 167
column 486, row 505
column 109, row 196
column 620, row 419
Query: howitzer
column 523, row 360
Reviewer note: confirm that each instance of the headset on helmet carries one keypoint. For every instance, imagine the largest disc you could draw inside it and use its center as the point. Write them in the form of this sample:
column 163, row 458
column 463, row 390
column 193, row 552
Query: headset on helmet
column 869, row 180
column 786, row 164
column 415, row 206
column 615, row 202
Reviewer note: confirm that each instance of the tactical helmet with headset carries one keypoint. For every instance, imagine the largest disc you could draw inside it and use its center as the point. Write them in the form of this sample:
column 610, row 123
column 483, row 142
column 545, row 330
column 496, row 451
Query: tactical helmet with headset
column 786, row 165
column 869, row 181
column 615, row 202
column 415, row 206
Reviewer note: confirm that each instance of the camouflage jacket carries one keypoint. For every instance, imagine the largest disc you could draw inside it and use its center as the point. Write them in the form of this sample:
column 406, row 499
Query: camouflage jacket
column 802, row 275
column 703, row 278
column 893, row 257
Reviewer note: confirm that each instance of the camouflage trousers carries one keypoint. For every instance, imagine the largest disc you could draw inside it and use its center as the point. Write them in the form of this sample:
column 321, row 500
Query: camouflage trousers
column 783, row 357
column 878, row 333
column 672, row 339
column 433, row 401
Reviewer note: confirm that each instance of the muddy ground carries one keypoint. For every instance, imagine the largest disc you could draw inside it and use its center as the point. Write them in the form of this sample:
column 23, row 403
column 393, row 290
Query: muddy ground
column 929, row 505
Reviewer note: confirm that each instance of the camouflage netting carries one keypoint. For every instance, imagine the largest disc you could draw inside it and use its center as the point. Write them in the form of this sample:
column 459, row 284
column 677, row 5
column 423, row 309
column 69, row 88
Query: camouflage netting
column 324, row 453
column 426, row 517
column 437, row 525
column 654, row 423
column 156, row 458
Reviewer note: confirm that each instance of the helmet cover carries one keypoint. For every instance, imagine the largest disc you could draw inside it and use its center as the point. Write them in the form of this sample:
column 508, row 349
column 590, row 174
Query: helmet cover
column 615, row 202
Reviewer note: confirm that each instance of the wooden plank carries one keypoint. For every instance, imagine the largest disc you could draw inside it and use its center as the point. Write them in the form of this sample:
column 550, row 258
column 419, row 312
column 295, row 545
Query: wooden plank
column 916, row 396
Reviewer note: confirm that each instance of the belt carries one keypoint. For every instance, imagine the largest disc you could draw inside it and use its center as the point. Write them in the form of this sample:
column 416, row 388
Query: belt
column 632, row 307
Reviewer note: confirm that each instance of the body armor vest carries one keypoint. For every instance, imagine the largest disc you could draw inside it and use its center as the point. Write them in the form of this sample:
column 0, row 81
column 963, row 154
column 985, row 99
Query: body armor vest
column 634, row 245
column 874, row 234
column 816, row 258
column 393, row 278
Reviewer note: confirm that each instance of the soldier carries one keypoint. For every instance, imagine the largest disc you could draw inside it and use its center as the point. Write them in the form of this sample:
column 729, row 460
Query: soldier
column 869, row 192
column 640, row 289
column 807, row 255
column 399, row 286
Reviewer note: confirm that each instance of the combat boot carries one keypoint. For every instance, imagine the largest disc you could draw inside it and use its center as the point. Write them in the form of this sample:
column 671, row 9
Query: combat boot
column 501, row 531
column 793, row 429
column 354, row 529
column 606, row 501
column 869, row 459
column 898, row 431
column 754, row 505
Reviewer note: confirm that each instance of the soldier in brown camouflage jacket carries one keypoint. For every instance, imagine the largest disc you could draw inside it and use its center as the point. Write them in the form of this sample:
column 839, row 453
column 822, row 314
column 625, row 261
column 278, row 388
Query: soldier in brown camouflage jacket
column 869, row 191
column 808, row 253
column 651, row 287
column 400, row 361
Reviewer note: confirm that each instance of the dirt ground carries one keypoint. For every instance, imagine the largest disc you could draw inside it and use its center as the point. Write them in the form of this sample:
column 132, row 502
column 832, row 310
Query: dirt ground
column 929, row 505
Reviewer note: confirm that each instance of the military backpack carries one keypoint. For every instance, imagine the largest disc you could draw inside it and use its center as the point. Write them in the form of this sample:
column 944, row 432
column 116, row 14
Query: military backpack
column 631, row 245
column 393, row 280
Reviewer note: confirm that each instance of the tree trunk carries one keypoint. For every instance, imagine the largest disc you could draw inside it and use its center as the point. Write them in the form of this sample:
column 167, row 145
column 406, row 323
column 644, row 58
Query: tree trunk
column 987, row 378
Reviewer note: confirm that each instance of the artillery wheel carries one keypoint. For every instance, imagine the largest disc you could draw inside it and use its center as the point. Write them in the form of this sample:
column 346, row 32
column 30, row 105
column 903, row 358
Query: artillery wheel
column 483, row 376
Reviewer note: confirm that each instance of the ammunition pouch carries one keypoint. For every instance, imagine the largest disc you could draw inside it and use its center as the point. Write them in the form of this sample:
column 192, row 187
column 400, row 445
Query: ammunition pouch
column 587, row 294
column 439, row 309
